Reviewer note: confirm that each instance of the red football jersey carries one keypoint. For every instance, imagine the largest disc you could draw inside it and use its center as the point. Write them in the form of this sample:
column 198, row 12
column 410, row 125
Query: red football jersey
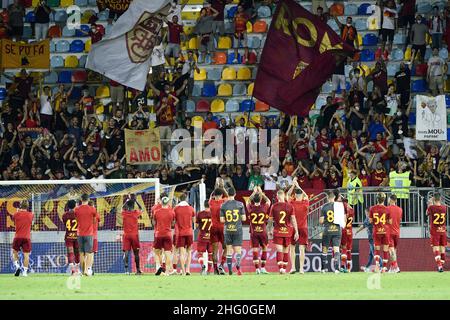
column 395, row 213
column 164, row 218
column 183, row 217
column 70, row 221
column 204, row 225
column 350, row 213
column 258, row 217
column 23, row 221
column 437, row 218
column 85, row 215
column 96, row 222
column 214, row 206
column 380, row 217
column 281, row 213
column 377, row 177
column 154, row 208
column 130, row 222
column 301, row 212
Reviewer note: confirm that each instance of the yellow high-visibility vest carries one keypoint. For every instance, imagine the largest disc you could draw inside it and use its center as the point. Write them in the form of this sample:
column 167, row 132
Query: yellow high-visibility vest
column 354, row 191
column 400, row 183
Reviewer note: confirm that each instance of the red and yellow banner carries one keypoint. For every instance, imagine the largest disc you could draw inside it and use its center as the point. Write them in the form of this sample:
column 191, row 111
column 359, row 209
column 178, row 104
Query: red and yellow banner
column 143, row 146
column 16, row 55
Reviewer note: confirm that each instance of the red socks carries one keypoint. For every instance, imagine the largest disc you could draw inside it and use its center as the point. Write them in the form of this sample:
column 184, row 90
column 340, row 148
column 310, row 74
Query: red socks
column 285, row 260
column 224, row 258
column 280, row 260
column 70, row 257
column 255, row 259
column 263, row 259
column 443, row 257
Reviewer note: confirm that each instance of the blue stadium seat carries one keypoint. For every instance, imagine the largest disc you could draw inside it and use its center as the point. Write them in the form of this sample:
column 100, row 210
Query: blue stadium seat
column 92, row 3
column 347, row 69
column 196, row 90
column 81, row 3
column 320, row 102
column 231, row 12
column 327, row 87
column 2, row 93
column 443, row 53
column 62, row 46
column 351, row 9
column 419, row 85
column 190, row 106
column 362, row 10
column 397, row 54
column 264, row 12
column 209, row 90
column 60, row 16
column 83, row 27
column 247, row 105
column 333, row 25
column 51, row 77
column 103, row 15
column 370, row 39
column 52, row 46
column 30, row 17
column 65, row 77
column 361, row 24
column 239, row 89
column 392, row 69
column 399, row 38
column 82, row 61
column 230, row 58
column 57, row 62
column 254, row 42
column 367, row 55
column 214, row 74
column 77, row 46
column 428, row 53
column 232, row 106
column 66, row 32
column 447, row 101
column 448, row 134
column 412, row 118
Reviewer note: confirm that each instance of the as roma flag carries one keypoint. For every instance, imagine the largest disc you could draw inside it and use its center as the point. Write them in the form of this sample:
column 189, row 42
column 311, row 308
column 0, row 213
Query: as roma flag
column 299, row 55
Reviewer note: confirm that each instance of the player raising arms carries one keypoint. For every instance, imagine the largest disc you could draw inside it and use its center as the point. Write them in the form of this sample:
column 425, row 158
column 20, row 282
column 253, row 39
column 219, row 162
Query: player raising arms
column 164, row 220
column 300, row 205
column 184, row 217
column 203, row 224
column 258, row 214
column 281, row 221
column 232, row 214
column 379, row 217
column 23, row 219
column 217, row 198
column 347, row 238
column 71, row 241
column 330, row 215
column 395, row 213
column 437, row 217
column 130, row 240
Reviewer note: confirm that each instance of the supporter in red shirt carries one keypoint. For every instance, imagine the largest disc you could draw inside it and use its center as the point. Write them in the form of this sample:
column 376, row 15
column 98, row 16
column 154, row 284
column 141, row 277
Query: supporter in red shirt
column 174, row 39
column 338, row 144
column 317, row 181
column 378, row 177
column 322, row 141
column 23, row 219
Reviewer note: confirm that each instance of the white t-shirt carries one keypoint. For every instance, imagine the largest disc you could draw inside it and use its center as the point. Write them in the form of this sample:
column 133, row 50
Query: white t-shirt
column 435, row 66
column 46, row 107
column 389, row 16
column 270, row 182
column 284, row 182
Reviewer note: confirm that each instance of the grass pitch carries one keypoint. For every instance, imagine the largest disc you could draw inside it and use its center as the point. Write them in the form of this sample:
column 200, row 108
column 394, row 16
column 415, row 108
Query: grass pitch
column 406, row 285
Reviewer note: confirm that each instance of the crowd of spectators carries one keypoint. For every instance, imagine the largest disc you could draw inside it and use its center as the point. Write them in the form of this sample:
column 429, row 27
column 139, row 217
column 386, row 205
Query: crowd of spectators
column 359, row 133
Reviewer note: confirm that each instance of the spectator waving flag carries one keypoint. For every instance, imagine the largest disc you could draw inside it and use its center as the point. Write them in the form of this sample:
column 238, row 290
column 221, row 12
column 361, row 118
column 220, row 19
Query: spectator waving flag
column 299, row 55
column 124, row 55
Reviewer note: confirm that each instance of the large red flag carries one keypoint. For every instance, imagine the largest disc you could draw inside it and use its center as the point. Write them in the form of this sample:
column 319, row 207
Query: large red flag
column 300, row 54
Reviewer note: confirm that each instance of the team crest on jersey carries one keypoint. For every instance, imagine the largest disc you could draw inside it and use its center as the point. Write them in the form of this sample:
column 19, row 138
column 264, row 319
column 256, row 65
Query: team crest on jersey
column 143, row 37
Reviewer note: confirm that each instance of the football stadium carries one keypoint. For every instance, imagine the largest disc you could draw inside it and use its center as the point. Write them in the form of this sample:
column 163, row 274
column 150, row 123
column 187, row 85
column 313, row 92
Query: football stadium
column 224, row 149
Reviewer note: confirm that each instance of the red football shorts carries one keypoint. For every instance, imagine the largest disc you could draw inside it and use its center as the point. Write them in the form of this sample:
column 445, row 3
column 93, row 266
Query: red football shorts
column 381, row 239
column 163, row 243
column 438, row 239
column 184, row 241
column 130, row 242
column 393, row 240
column 95, row 246
column 72, row 243
column 347, row 240
column 282, row 241
column 302, row 237
column 21, row 243
column 204, row 246
column 259, row 239
column 216, row 235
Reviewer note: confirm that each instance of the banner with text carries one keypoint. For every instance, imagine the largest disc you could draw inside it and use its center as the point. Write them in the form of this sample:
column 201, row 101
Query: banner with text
column 15, row 55
column 431, row 118
column 117, row 6
column 143, row 146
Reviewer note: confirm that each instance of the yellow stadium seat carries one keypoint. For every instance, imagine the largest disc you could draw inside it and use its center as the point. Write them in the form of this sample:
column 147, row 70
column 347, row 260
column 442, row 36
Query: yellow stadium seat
column 224, row 43
column 225, row 90
column 372, row 23
column 66, row 3
column 249, row 27
column 197, row 121
column 229, row 74
column 71, row 62
column 190, row 15
column 102, row 92
column 35, row 3
column 256, row 118
column 193, row 44
column 195, row 2
column 188, row 30
column 408, row 53
column 86, row 16
column 250, row 89
column 428, row 38
column 100, row 109
column 217, row 105
column 244, row 74
column 360, row 40
column 200, row 76
column 87, row 45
